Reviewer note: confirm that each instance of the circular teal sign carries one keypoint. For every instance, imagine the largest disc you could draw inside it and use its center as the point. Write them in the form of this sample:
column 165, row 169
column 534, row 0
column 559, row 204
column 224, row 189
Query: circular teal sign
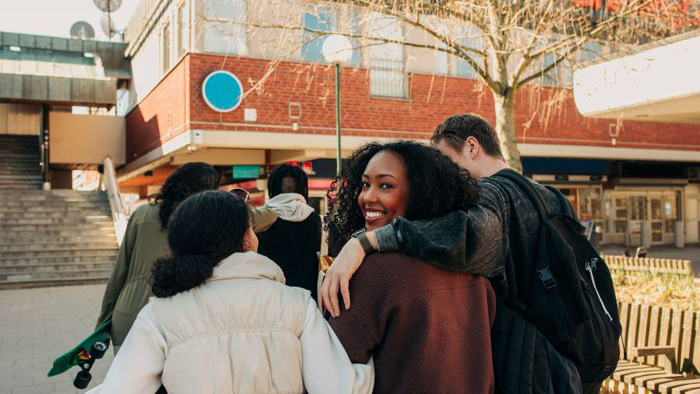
column 222, row 91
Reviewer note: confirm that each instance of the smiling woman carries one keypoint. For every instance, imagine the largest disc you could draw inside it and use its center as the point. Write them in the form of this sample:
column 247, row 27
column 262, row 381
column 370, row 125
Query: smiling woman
column 403, row 178
column 404, row 309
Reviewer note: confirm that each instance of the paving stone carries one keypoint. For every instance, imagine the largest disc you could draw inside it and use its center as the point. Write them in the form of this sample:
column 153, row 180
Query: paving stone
column 38, row 325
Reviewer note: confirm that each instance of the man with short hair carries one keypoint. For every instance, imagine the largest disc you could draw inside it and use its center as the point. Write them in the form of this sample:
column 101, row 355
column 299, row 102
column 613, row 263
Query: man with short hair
column 504, row 224
column 292, row 240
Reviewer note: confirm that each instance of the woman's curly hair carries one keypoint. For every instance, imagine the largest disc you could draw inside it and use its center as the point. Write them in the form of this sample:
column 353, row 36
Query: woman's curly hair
column 187, row 180
column 205, row 229
column 436, row 187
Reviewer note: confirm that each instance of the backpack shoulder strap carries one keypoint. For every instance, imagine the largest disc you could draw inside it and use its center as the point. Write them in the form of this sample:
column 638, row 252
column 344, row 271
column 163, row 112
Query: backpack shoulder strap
column 564, row 202
column 529, row 189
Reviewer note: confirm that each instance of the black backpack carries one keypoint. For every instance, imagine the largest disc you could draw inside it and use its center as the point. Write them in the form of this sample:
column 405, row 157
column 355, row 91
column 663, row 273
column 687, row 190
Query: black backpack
column 570, row 309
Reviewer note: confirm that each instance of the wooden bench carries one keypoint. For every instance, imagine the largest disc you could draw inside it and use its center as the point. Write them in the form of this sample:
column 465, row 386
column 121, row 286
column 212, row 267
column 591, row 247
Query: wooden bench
column 659, row 351
column 648, row 264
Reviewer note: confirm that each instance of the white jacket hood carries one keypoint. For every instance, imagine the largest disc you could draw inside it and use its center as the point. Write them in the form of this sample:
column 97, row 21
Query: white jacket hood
column 291, row 207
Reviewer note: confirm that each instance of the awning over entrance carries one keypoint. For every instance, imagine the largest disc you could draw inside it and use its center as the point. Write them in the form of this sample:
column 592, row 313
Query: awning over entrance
column 656, row 84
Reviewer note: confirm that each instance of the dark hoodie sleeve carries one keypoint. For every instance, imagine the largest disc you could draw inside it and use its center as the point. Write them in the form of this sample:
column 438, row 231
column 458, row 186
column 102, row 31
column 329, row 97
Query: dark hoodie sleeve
column 471, row 241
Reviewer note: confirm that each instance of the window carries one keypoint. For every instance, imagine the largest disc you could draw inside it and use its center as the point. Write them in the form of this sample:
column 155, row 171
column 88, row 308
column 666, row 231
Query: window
column 470, row 39
column 387, row 76
column 589, row 51
column 321, row 21
column 355, row 23
column 441, row 66
column 225, row 24
column 165, row 47
column 183, row 29
column 549, row 78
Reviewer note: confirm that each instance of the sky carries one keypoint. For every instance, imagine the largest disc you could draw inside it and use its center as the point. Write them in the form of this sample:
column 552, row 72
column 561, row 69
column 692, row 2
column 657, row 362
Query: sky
column 55, row 17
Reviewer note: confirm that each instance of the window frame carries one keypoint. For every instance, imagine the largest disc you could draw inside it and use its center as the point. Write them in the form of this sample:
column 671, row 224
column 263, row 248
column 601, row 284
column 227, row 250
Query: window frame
column 406, row 94
column 165, row 46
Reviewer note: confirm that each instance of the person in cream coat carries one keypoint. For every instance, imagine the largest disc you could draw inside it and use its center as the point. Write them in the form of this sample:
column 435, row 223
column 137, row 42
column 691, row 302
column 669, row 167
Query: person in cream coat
column 222, row 320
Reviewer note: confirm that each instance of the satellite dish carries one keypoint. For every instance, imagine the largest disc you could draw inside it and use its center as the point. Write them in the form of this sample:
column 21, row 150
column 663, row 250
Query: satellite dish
column 108, row 5
column 82, row 30
column 107, row 25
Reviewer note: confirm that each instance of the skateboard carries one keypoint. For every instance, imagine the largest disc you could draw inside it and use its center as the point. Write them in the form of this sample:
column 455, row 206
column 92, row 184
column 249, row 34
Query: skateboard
column 84, row 355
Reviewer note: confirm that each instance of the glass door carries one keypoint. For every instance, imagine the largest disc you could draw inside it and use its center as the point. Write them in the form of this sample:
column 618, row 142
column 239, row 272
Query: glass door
column 637, row 216
column 656, row 217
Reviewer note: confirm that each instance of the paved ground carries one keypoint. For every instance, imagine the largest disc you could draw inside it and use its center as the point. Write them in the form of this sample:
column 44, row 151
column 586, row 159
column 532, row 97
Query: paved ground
column 36, row 326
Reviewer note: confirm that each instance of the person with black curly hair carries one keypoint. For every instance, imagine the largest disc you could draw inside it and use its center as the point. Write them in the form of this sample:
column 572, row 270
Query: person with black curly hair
column 144, row 242
column 294, row 239
column 222, row 321
column 417, row 322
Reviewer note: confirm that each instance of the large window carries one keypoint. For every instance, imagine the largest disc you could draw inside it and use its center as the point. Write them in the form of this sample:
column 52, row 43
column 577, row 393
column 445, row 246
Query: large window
column 165, row 47
column 470, row 38
column 387, row 70
column 319, row 21
column 589, row 51
column 183, row 33
column 225, row 27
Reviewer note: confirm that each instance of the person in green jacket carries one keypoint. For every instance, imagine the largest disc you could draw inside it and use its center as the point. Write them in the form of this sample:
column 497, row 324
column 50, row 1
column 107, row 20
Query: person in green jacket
column 145, row 241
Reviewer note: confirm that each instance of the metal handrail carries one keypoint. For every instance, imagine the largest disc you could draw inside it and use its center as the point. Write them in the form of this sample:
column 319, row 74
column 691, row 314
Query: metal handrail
column 120, row 215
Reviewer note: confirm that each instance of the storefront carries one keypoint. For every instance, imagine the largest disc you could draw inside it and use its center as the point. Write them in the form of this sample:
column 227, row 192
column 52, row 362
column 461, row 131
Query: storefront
column 638, row 216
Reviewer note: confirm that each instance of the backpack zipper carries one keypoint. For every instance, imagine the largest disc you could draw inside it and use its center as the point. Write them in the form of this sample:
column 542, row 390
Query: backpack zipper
column 589, row 268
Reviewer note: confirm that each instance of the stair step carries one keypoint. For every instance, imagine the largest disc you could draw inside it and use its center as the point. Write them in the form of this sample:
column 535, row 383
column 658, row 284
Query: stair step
column 48, row 253
column 40, row 245
column 28, row 170
column 69, row 239
column 10, row 196
column 55, row 267
column 32, row 201
column 57, row 258
column 72, row 209
column 53, row 214
column 51, row 228
column 31, row 186
column 59, row 221
column 30, row 284
column 63, row 274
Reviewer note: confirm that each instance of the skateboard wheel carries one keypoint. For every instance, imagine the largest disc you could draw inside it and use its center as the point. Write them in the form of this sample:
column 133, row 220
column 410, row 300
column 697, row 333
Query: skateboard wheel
column 82, row 380
column 98, row 349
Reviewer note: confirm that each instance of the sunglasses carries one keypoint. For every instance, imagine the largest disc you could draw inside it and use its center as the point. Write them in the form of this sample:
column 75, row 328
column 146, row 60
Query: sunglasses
column 242, row 193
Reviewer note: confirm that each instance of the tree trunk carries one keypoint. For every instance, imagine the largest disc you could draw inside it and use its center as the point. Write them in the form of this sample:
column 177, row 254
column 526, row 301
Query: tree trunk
column 505, row 128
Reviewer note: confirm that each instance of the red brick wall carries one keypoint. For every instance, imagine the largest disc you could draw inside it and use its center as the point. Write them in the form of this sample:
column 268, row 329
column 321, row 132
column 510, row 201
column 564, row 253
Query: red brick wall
column 432, row 99
column 160, row 116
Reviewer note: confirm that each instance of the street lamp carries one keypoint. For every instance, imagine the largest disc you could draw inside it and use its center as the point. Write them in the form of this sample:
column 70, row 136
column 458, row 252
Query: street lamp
column 337, row 50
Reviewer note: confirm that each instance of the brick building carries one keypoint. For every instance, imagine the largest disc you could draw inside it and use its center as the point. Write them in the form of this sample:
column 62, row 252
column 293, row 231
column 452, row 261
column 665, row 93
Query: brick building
column 635, row 178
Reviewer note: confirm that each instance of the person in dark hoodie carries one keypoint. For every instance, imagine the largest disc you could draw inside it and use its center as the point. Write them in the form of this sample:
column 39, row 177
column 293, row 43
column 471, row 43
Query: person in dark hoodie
column 293, row 240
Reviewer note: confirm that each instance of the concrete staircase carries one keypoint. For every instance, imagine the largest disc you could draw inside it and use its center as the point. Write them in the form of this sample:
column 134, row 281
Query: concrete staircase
column 54, row 238
column 20, row 162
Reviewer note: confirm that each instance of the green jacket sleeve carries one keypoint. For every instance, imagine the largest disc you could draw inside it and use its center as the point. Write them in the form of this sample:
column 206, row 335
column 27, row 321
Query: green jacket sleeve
column 470, row 241
column 119, row 273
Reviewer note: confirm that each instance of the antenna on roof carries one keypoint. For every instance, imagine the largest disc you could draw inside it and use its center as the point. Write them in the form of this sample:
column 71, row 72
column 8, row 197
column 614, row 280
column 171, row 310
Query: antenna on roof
column 82, row 30
column 108, row 6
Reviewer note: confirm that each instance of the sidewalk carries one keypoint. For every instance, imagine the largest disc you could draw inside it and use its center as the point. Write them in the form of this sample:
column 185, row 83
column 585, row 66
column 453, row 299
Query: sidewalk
column 38, row 325
column 690, row 252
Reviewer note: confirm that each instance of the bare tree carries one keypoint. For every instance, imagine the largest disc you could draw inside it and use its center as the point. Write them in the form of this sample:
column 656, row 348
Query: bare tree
column 508, row 43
